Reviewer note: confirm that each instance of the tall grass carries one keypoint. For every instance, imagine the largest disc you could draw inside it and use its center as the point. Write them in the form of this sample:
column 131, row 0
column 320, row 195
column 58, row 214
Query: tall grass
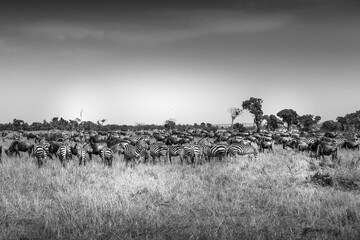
column 270, row 198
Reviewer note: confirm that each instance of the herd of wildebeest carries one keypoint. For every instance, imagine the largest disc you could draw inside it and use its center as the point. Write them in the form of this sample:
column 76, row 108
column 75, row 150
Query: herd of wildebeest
column 194, row 146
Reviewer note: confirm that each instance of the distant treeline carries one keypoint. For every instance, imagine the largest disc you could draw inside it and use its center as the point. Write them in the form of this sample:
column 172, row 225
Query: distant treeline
column 286, row 117
column 62, row 124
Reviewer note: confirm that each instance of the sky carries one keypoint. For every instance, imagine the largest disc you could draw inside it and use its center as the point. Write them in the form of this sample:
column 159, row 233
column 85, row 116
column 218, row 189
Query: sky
column 141, row 61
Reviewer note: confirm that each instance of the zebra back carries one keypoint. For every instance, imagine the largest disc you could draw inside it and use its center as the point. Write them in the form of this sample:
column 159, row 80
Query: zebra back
column 243, row 149
column 40, row 154
column 157, row 150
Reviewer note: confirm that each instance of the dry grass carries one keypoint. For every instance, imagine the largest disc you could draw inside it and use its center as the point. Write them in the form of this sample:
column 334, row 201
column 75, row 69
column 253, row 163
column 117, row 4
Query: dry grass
column 271, row 198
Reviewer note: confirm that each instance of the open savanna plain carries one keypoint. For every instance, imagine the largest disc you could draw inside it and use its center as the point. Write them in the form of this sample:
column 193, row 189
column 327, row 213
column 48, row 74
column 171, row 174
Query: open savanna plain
column 282, row 195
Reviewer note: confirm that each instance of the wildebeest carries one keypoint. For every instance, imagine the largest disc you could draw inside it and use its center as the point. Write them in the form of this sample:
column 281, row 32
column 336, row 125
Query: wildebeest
column 326, row 149
column 32, row 136
column 0, row 153
column 17, row 146
column 351, row 145
column 53, row 147
column 290, row 143
column 266, row 145
column 302, row 146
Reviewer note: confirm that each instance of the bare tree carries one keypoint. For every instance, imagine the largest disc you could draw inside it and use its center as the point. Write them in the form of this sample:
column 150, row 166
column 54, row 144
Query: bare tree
column 234, row 112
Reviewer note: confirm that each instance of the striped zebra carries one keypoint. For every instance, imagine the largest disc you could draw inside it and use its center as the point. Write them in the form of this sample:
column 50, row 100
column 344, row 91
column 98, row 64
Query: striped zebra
column 134, row 154
column 218, row 150
column 157, row 150
column 176, row 150
column 196, row 151
column 81, row 153
column 136, row 138
column 192, row 151
column 46, row 145
column 64, row 153
column 40, row 153
column 107, row 154
column 243, row 149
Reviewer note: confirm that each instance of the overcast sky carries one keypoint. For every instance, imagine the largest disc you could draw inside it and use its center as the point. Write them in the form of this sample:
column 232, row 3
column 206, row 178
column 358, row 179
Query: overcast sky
column 148, row 61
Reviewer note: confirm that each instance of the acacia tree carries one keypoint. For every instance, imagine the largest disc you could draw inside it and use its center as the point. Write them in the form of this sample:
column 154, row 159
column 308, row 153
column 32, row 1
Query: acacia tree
column 170, row 124
column 234, row 112
column 350, row 121
column 307, row 121
column 289, row 116
column 18, row 124
column 254, row 106
column 330, row 126
column 272, row 122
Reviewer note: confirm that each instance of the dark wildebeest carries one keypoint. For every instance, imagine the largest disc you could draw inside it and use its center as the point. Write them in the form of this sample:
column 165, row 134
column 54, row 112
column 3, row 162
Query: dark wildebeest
column 331, row 134
column 325, row 149
column 53, row 148
column 0, row 153
column 291, row 143
column 32, row 136
column 95, row 145
column 17, row 146
column 351, row 145
column 302, row 146
column 266, row 145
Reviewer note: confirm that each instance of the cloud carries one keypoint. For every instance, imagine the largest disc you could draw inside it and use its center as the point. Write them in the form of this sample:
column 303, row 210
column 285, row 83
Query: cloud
column 155, row 28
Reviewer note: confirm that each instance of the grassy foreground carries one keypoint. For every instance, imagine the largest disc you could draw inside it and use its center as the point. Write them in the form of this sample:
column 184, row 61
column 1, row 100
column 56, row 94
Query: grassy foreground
column 270, row 198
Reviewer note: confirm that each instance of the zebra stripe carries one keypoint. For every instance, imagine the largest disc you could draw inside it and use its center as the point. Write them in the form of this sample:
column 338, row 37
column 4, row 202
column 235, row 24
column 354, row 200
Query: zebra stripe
column 81, row 154
column 40, row 154
column 218, row 150
column 157, row 150
column 64, row 153
column 107, row 156
column 176, row 150
column 194, row 151
column 135, row 153
column 243, row 149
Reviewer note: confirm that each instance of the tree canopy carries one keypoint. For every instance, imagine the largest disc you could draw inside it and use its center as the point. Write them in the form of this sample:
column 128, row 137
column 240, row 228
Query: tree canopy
column 254, row 106
column 288, row 116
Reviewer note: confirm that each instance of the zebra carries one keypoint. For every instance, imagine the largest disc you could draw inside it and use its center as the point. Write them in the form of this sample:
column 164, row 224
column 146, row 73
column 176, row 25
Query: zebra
column 136, row 138
column 218, row 150
column 107, row 154
column 157, row 150
column 135, row 153
column 80, row 152
column 196, row 151
column 176, row 150
column 40, row 153
column 243, row 149
column 64, row 153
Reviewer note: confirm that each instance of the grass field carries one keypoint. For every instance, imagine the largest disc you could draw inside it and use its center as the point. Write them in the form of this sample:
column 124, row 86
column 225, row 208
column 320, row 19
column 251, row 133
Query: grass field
column 273, row 197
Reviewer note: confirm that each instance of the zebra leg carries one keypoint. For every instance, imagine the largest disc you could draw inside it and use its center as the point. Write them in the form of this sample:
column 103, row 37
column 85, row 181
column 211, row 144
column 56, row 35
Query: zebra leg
column 39, row 162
